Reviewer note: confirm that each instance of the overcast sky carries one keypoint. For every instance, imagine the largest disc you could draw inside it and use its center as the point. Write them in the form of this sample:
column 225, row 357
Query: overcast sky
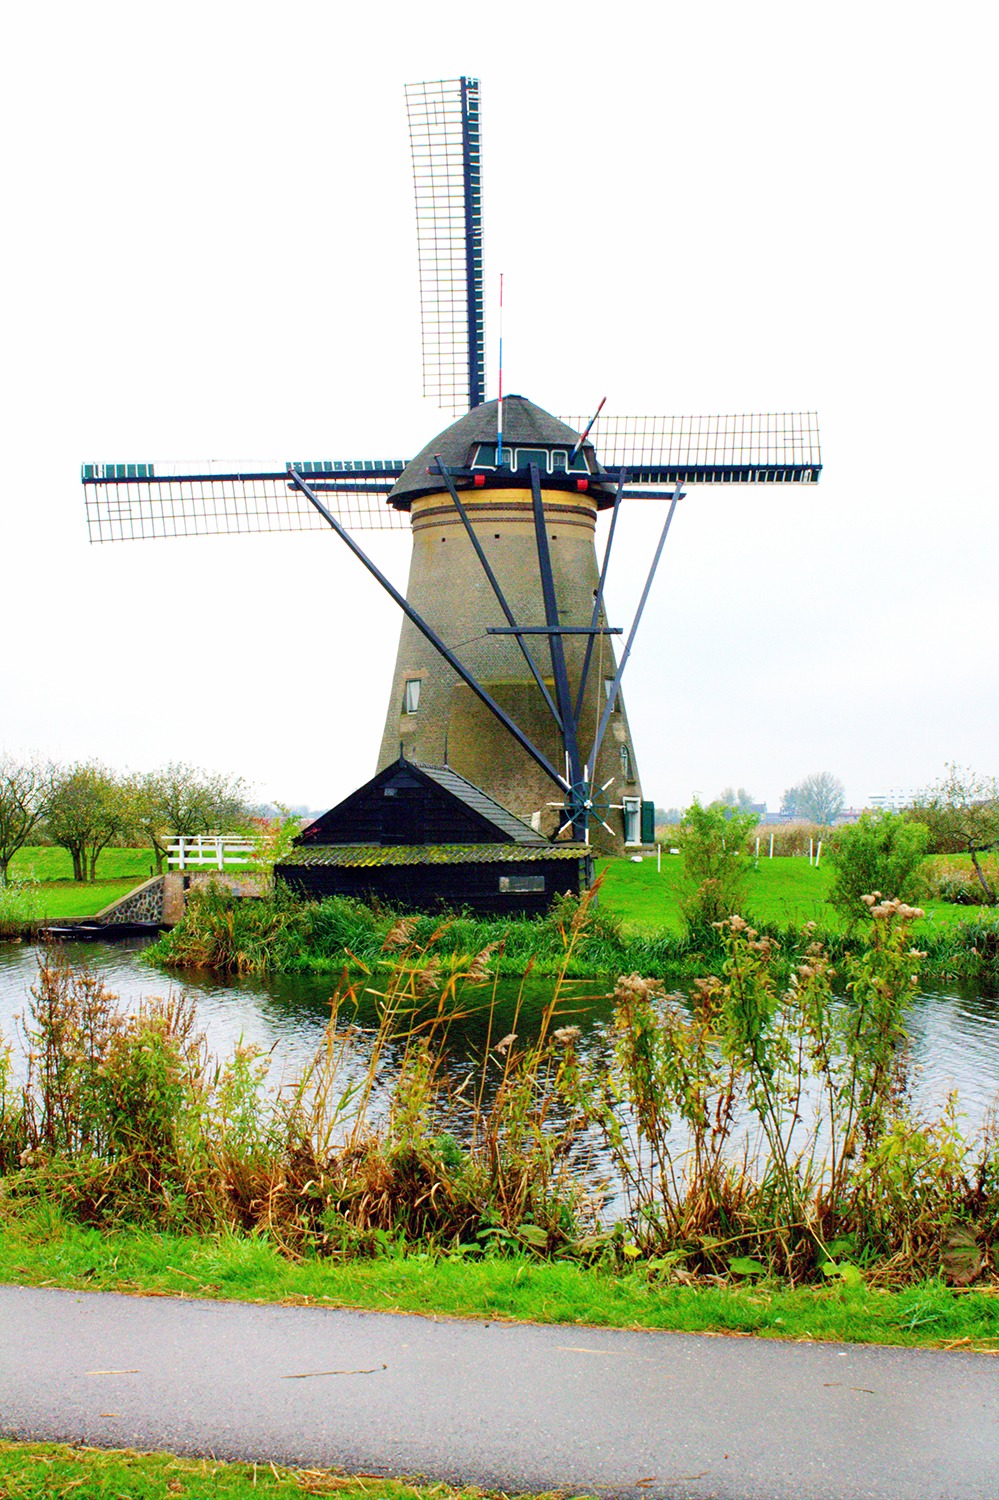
column 210, row 252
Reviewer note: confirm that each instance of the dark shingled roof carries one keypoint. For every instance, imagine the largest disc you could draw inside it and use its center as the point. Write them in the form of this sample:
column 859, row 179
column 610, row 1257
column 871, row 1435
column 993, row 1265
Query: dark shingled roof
column 363, row 856
column 523, row 423
column 480, row 802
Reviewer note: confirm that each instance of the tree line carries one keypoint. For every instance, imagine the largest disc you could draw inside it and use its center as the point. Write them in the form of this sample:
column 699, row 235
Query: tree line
column 87, row 806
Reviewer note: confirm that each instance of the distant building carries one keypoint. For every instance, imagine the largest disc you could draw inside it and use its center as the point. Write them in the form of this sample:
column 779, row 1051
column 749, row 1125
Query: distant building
column 896, row 800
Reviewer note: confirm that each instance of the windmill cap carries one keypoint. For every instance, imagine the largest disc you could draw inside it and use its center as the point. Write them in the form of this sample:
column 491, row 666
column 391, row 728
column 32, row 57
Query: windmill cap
column 524, row 424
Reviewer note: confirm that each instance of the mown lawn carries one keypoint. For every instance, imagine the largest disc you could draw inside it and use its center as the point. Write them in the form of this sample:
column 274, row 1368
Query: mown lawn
column 784, row 892
column 45, row 863
column 58, row 896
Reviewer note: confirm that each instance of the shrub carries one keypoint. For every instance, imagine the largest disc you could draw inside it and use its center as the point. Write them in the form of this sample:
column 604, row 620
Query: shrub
column 881, row 852
column 716, row 865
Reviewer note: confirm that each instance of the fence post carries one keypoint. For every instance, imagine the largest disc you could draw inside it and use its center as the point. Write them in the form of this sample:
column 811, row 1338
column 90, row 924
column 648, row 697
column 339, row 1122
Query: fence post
column 180, row 842
column 771, row 845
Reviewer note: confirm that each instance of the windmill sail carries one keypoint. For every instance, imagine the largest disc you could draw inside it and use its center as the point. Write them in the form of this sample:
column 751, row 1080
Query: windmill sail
column 746, row 448
column 447, row 178
column 132, row 502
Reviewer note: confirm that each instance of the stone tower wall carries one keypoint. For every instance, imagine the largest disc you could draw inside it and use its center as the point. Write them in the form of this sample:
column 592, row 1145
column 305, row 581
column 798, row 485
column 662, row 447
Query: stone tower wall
column 448, row 587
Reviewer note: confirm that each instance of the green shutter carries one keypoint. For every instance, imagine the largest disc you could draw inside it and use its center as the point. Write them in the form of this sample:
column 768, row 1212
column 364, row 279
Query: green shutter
column 648, row 822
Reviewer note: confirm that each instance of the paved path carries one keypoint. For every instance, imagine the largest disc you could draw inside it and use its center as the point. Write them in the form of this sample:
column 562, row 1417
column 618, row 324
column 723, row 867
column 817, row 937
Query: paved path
column 510, row 1406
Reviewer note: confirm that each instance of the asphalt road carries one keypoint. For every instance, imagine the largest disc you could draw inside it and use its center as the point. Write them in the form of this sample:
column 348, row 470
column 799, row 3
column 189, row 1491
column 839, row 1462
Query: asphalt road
column 518, row 1407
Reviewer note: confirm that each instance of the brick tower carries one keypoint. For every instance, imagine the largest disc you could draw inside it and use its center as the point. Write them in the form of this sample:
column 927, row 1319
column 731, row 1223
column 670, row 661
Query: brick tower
column 432, row 715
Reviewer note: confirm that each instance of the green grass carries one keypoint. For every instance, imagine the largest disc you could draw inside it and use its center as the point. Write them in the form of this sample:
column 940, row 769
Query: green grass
column 40, row 1248
column 38, row 1471
column 67, row 898
column 782, row 893
column 60, row 897
column 45, row 863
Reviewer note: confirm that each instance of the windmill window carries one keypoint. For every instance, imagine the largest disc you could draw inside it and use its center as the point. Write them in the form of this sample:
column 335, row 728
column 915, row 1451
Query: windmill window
column 522, row 883
column 632, row 820
column 608, row 689
column 539, row 456
column 485, row 456
column 627, row 768
column 411, row 696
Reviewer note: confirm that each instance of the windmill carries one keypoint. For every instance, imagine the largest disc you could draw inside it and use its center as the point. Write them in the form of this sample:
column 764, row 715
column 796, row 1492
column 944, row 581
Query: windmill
column 506, row 668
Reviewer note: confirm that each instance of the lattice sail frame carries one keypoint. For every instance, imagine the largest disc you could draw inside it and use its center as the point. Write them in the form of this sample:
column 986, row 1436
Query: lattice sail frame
column 447, row 180
column 746, row 448
column 123, row 506
column 131, row 502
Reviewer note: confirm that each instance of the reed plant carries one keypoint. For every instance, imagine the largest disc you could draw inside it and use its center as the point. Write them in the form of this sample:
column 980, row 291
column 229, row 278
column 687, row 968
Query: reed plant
column 759, row 1123
column 126, row 1118
column 764, row 1122
column 20, row 907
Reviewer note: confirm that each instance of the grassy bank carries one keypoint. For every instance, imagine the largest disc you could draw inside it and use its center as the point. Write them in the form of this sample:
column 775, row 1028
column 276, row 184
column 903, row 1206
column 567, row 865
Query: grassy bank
column 37, row 1471
column 44, row 1248
column 760, row 1129
column 633, row 926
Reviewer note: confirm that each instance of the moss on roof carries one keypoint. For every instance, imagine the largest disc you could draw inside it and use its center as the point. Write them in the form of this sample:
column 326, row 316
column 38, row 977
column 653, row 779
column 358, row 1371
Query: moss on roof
column 370, row 855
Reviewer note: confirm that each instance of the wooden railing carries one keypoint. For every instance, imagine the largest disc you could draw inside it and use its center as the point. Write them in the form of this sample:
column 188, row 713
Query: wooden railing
column 218, row 849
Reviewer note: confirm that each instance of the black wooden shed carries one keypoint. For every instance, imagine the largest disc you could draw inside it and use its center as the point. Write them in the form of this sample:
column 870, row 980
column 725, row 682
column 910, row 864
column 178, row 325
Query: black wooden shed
column 424, row 837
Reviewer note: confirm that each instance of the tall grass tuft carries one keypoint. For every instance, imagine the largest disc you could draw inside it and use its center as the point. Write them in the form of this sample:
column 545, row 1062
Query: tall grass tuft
column 20, row 908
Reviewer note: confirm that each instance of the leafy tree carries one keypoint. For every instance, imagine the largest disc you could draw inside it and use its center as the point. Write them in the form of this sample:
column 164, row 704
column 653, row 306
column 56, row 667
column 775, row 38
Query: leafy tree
column 716, row 863
column 89, row 806
column 181, row 801
column 819, row 799
column 962, row 814
column 24, row 785
column 731, row 797
column 880, row 853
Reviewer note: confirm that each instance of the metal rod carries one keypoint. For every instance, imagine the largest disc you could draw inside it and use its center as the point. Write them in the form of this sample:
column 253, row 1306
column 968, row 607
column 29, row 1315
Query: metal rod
column 456, row 666
column 499, row 404
column 586, row 433
column 612, row 695
column 556, row 647
column 473, row 272
column 553, row 630
column 500, row 596
column 598, row 602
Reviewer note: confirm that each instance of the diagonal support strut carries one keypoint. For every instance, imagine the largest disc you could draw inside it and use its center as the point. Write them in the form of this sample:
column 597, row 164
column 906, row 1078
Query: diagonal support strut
column 453, row 662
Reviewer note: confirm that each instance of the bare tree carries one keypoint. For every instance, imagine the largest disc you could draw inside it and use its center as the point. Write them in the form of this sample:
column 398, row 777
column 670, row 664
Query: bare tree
column 24, row 786
column 820, row 798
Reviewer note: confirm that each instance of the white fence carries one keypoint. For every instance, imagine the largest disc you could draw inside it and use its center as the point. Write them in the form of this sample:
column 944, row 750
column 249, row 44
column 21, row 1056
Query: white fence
column 218, row 849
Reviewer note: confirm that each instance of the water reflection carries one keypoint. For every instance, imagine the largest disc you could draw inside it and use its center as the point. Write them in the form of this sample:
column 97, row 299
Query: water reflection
column 955, row 1036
